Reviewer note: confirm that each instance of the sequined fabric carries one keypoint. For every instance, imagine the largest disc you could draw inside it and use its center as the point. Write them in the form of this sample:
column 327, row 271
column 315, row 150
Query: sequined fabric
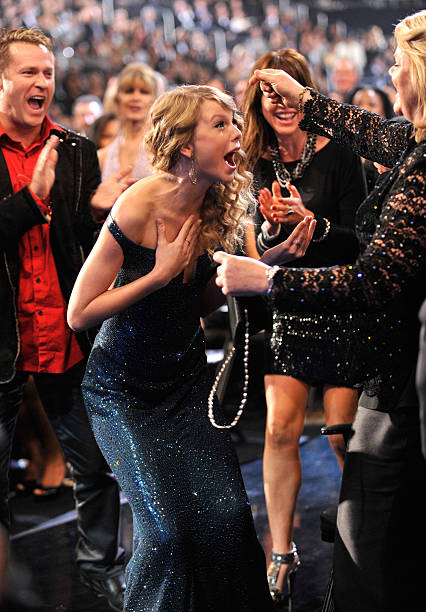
column 312, row 346
column 146, row 388
column 387, row 282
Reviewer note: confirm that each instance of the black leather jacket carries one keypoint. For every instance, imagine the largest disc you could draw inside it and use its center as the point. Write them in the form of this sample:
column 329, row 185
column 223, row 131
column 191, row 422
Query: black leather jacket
column 71, row 234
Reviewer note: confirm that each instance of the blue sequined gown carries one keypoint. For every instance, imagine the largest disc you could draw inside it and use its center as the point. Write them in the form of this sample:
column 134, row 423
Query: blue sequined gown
column 145, row 388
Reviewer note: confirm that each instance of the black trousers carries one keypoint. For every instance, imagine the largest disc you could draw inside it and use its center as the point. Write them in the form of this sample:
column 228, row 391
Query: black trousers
column 379, row 548
column 96, row 492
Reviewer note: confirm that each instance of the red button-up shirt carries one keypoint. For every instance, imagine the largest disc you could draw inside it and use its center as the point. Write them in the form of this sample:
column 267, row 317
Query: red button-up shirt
column 47, row 344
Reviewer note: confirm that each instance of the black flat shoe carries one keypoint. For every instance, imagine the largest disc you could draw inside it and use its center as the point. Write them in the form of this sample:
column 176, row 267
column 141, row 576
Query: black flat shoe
column 112, row 588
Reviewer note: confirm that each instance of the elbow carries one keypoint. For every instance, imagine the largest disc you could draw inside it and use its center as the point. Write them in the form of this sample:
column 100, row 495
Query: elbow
column 76, row 321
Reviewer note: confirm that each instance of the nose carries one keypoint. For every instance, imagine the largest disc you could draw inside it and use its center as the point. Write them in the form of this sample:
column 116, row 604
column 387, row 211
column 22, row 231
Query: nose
column 42, row 80
column 237, row 132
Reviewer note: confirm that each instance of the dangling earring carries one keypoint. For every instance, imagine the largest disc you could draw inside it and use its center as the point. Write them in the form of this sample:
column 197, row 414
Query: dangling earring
column 192, row 172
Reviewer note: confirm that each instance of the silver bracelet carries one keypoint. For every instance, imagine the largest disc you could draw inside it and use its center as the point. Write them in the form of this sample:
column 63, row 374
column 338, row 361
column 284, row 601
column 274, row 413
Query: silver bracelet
column 326, row 230
column 270, row 273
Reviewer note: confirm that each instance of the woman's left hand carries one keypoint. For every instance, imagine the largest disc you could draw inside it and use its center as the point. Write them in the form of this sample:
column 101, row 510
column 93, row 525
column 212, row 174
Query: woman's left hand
column 294, row 247
column 238, row 275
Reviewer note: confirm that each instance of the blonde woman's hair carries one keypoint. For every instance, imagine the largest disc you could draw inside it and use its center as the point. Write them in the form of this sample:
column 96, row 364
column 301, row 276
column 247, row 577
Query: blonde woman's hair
column 173, row 119
column 258, row 134
column 137, row 72
column 25, row 35
column 410, row 35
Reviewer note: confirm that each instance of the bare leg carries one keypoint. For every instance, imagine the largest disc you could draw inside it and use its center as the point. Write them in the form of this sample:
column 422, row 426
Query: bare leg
column 340, row 405
column 286, row 405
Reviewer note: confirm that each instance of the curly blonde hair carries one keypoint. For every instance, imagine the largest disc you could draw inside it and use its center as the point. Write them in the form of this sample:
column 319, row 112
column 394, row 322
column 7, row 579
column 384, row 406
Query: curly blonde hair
column 410, row 35
column 173, row 119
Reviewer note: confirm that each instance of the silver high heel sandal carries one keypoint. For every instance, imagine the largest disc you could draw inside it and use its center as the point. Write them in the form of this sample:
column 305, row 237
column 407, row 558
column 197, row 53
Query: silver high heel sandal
column 277, row 560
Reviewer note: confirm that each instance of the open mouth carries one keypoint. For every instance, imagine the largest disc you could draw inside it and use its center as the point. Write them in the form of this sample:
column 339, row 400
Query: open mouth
column 36, row 102
column 230, row 161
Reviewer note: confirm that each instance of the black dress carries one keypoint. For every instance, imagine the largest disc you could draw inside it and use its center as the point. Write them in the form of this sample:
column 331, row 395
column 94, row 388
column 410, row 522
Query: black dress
column 146, row 388
column 318, row 347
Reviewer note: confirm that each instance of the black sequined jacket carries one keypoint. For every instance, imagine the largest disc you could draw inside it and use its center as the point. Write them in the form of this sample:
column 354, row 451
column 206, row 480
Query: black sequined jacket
column 387, row 281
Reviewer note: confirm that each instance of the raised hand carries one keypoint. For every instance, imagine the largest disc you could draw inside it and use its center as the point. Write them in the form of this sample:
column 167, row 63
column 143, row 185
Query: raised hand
column 172, row 257
column 294, row 247
column 277, row 83
column 44, row 171
column 290, row 210
column 267, row 204
column 110, row 190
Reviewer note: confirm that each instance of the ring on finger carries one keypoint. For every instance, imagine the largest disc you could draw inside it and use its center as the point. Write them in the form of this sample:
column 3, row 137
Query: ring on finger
column 290, row 211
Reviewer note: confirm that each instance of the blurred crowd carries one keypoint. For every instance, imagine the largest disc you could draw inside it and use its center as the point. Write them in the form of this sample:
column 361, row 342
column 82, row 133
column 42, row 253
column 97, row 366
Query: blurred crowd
column 203, row 41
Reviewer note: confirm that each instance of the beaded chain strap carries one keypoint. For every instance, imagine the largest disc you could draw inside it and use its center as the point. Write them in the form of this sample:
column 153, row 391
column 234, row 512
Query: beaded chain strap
column 210, row 401
column 282, row 174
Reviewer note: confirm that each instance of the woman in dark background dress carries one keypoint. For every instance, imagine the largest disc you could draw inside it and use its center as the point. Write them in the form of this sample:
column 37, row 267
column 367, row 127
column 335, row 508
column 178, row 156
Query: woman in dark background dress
column 325, row 180
column 147, row 381
column 378, row 553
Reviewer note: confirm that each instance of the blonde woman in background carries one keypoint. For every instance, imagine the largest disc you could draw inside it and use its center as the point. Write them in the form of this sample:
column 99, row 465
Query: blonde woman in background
column 135, row 90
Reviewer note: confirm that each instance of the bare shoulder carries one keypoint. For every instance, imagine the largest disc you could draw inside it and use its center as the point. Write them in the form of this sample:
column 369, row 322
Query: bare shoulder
column 137, row 209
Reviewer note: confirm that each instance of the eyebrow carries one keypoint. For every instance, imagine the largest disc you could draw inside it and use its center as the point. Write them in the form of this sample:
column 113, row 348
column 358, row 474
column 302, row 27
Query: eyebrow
column 220, row 116
column 33, row 67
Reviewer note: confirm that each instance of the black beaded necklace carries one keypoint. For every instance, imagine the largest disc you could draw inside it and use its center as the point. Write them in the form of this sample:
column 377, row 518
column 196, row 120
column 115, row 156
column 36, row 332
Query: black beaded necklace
column 281, row 172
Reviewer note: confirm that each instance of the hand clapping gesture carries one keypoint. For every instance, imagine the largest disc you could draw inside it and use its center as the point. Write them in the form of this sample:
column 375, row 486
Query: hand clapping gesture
column 44, row 170
column 276, row 209
column 294, row 247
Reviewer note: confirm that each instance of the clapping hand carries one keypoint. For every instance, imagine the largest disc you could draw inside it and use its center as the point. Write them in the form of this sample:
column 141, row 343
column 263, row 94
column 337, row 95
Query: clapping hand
column 294, row 247
column 276, row 209
column 44, row 170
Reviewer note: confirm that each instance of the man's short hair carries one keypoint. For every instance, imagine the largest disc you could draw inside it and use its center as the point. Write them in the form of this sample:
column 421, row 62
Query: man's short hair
column 26, row 35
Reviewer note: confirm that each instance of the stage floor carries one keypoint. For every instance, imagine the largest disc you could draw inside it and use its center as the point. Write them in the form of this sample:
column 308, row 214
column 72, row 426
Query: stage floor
column 44, row 531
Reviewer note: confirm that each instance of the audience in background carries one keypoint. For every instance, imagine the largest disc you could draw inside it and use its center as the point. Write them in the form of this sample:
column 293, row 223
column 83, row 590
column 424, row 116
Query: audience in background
column 190, row 42
column 85, row 110
column 104, row 129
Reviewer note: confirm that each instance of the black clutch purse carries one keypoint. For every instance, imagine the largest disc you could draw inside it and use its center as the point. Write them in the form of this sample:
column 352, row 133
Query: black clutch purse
column 247, row 317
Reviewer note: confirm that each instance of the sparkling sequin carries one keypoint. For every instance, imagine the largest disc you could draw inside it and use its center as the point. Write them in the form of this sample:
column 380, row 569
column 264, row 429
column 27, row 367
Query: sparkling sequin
column 146, row 388
column 387, row 282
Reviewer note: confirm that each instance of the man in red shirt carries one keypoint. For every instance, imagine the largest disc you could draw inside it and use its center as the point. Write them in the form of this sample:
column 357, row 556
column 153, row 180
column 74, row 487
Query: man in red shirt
column 50, row 199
